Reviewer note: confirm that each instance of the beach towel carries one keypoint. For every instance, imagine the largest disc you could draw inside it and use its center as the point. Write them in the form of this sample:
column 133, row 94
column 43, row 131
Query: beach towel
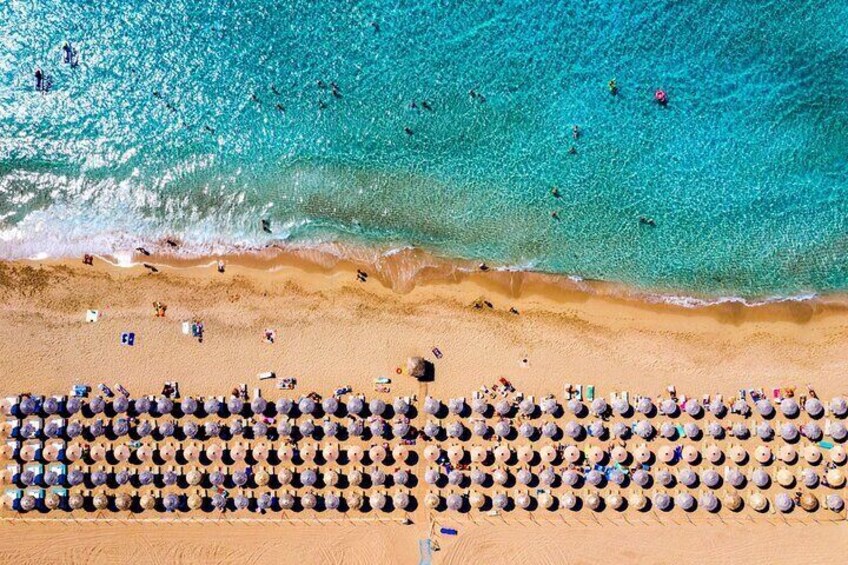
column 128, row 338
column 448, row 531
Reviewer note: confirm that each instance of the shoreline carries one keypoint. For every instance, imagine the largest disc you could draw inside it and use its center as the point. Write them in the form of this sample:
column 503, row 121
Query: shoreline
column 405, row 268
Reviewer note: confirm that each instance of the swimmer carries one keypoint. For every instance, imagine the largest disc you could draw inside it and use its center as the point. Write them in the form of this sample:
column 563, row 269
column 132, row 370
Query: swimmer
column 274, row 90
column 408, row 130
column 426, row 105
column 322, row 105
column 39, row 79
column 555, row 192
column 280, row 107
column 254, row 97
column 572, row 150
column 376, row 27
column 209, row 129
column 647, row 221
column 575, row 131
column 69, row 52
column 413, row 105
column 321, row 84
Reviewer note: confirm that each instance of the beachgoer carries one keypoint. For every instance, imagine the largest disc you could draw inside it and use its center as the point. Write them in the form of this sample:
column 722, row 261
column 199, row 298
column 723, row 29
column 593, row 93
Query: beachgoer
column 88, row 259
column 220, row 266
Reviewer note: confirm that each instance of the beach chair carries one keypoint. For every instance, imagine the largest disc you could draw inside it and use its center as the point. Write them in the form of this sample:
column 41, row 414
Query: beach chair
column 14, row 495
column 14, row 426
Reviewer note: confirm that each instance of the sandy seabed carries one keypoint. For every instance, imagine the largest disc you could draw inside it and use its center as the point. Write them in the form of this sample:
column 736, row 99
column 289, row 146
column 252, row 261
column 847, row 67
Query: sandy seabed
column 334, row 330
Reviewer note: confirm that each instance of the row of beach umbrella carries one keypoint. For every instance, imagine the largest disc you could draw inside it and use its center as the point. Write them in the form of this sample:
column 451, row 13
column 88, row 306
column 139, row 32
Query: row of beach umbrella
column 358, row 405
column 455, row 501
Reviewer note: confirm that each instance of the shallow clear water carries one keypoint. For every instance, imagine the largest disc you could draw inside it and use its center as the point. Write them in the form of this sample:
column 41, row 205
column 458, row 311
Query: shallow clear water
column 743, row 172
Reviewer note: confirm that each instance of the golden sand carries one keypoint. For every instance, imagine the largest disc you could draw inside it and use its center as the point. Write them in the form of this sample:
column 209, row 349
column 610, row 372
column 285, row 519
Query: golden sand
column 333, row 330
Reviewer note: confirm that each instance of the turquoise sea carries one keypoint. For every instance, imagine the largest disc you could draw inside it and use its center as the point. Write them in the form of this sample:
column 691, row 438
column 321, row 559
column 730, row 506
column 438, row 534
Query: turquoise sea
column 196, row 120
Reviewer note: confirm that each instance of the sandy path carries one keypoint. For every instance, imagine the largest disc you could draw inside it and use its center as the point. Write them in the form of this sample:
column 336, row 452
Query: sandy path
column 536, row 544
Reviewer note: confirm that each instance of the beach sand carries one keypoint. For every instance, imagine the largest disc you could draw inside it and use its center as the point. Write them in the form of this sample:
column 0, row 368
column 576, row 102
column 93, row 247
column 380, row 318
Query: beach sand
column 333, row 330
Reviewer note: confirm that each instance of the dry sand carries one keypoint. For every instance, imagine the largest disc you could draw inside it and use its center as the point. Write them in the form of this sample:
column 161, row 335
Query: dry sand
column 333, row 330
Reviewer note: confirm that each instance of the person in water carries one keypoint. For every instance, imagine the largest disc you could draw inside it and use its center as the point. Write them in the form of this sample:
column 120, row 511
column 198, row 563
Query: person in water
column 70, row 57
column 39, row 79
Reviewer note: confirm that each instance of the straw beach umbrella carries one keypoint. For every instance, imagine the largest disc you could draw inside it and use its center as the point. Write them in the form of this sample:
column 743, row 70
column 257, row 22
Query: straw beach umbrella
column 576, row 407
column 526, row 407
column 760, row 478
column 400, row 500
column 400, row 406
column 834, row 502
column 309, row 501
column 286, row 501
column 432, row 406
column 783, row 502
column 789, row 408
column 645, row 406
column 787, row 454
column 500, row 501
column 662, row 501
column 839, row 406
column 685, row 501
